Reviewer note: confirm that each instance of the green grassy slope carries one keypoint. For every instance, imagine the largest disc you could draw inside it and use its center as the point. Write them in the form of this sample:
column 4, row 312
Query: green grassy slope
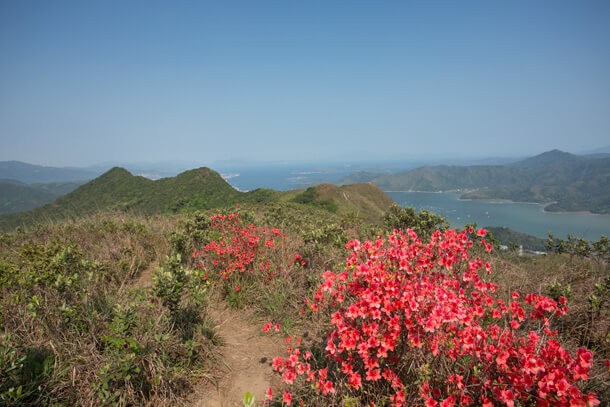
column 202, row 188
column 364, row 200
column 58, row 188
column 507, row 236
column 16, row 196
column 118, row 190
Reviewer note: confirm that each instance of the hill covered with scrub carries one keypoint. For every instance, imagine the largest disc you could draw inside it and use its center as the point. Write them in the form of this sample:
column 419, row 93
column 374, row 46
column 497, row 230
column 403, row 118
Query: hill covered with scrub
column 124, row 299
column 16, row 196
column 118, row 190
column 198, row 189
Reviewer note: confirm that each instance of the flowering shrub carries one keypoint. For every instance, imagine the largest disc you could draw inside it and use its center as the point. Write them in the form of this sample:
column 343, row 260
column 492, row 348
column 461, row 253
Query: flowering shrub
column 414, row 323
column 239, row 248
column 249, row 264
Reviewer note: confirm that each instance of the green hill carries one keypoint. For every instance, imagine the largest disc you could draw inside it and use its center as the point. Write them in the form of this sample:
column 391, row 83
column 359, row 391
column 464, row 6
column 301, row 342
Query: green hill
column 364, row 200
column 58, row 188
column 508, row 237
column 118, row 190
column 437, row 178
column 567, row 182
column 202, row 188
column 16, row 196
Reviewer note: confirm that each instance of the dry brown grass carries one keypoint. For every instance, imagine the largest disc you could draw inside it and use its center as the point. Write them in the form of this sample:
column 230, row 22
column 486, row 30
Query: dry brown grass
column 76, row 330
column 585, row 325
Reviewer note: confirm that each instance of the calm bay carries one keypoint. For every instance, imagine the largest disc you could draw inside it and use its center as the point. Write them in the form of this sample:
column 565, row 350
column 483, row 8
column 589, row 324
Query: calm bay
column 522, row 217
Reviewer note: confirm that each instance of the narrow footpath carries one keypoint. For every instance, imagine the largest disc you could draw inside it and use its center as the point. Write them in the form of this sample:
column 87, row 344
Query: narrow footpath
column 245, row 363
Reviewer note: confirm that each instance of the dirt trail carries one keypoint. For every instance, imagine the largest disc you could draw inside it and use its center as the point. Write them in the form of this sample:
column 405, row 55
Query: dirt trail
column 245, row 363
column 246, row 360
column 144, row 280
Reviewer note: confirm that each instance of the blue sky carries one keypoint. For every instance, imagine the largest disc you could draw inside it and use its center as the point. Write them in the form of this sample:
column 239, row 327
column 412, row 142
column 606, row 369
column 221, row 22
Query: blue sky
column 84, row 82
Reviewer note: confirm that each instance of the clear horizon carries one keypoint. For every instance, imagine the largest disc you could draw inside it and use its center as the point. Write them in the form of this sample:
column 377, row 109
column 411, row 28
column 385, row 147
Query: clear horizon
column 87, row 83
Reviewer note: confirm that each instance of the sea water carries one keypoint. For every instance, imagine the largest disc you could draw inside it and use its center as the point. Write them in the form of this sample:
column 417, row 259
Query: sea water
column 522, row 217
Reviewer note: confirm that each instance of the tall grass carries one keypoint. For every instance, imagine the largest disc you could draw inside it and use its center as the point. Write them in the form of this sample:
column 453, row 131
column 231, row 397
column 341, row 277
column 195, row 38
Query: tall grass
column 76, row 330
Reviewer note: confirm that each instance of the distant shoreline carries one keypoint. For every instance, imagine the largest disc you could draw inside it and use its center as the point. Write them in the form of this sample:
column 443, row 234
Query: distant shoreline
column 544, row 206
column 572, row 212
column 452, row 191
column 504, row 200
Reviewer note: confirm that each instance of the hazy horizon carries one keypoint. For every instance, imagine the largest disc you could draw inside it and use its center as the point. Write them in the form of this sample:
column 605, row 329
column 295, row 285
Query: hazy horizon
column 239, row 162
column 86, row 83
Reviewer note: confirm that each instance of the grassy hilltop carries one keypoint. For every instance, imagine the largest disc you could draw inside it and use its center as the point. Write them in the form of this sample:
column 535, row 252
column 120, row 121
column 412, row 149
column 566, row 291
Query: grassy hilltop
column 201, row 188
column 118, row 190
column 364, row 200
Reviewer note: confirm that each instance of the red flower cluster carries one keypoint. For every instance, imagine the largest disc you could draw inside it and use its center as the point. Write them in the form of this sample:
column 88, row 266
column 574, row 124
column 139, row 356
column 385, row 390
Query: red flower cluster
column 241, row 248
column 405, row 312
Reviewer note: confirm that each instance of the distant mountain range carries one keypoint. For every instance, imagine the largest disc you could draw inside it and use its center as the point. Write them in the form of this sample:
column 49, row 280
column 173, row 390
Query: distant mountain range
column 565, row 181
column 30, row 173
column 201, row 188
column 26, row 186
column 16, row 196
column 597, row 151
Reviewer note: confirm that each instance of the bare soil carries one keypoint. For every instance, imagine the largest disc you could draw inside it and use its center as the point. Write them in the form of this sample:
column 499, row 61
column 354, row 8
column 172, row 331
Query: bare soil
column 246, row 360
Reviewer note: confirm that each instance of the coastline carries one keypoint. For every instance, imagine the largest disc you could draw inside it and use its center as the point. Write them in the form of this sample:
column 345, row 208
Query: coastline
column 531, row 219
column 492, row 201
column 451, row 191
column 502, row 200
column 543, row 204
column 572, row 212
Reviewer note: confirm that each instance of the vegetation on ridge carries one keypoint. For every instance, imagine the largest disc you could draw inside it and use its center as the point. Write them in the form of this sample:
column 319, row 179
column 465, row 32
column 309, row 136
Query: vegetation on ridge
column 198, row 189
column 365, row 200
column 513, row 239
column 18, row 197
column 118, row 190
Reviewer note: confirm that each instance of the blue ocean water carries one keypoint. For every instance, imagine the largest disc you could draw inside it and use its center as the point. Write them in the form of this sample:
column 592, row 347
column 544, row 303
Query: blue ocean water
column 526, row 218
